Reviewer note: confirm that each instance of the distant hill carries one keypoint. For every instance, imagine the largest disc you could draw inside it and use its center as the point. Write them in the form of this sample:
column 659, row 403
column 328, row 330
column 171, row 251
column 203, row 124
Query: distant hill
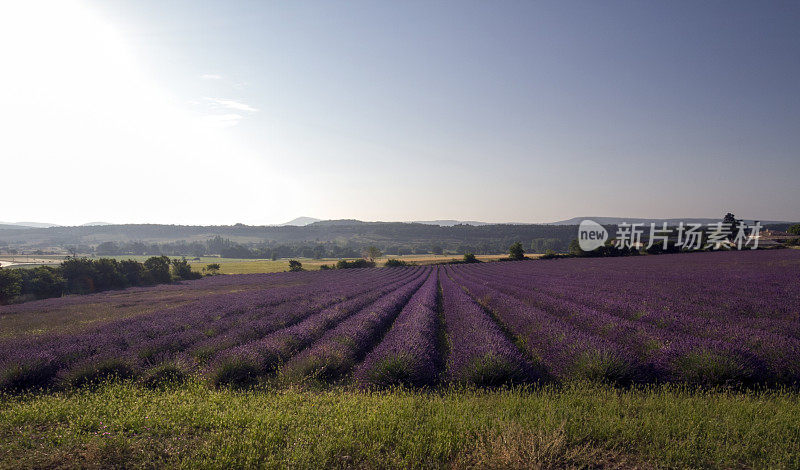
column 338, row 222
column 635, row 220
column 30, row 224
column 450, row 223
column 299, row 222
column 95, row 224
column 342, row 238
column 494, row 238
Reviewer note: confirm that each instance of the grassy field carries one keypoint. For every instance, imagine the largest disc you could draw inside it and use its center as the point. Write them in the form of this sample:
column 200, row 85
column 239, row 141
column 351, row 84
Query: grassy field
column 240, row 266
column 580, row 425
column 249, row 266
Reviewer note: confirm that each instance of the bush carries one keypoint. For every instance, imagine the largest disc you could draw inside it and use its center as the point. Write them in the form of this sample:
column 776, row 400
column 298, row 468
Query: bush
column 492, row 371
column 295, row 265
column 324, row 267
column 516, row 252
column 392, row 371
column 357, row 263
column 10, row 285
column 235, row 372
column 323, row 368
column 183, row 271
column 157, row 270
column 42, row 282
column 97, row 373
column 395, row 263
column 80, row 275
column 36, row 374
column 470, row 258
column 603, row 367
column 550, row 254
column 164, row 375
column 710, row 368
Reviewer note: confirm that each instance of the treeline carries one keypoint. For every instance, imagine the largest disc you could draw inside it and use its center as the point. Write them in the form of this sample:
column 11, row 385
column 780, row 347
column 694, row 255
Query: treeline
column 84, row 276
column 353, row 250
column 226, row 248
column 336, row 239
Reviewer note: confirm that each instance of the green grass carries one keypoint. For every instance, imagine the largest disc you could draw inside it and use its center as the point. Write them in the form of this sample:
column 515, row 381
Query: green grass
column 251, row 266
column 579, row 425
column 254, row 266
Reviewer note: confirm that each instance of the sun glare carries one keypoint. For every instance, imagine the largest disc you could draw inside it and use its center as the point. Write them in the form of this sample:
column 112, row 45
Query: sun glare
column 76, row 106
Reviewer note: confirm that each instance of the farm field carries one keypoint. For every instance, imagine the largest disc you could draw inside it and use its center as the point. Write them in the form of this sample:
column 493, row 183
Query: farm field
column 250, row 266
column 707, row 318
column 697, row 354
column 243, row 266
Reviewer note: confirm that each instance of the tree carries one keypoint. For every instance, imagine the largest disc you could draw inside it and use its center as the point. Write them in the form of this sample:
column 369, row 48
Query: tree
column 182, row 270
column 158, row 269
column 437, row 249
column 733, row 223
column 10, row 285
column 319, row 251
column 470, row 258
column 133, row 271
column 108, row 275
column 575, row 248
column 213, row 268
column 79, row 274
column 794, row 229
column 107, row 248
column 295, row 265
column 516, row 251
column 42, row 282
column 372, row 252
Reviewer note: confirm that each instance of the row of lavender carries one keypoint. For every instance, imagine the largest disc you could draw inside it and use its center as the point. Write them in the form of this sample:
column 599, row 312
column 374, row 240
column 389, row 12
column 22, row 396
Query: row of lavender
column 705, row 318
column 699, row 318
column 192, row 335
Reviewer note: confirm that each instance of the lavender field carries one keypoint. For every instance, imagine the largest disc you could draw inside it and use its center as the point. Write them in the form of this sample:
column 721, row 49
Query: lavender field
column 707, row 318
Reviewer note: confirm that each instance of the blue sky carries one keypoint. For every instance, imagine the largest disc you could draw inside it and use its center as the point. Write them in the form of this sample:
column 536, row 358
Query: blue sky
column 258, row 112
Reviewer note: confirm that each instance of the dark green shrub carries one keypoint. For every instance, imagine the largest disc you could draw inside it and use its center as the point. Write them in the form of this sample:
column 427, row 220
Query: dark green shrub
column 182, row 270
column 492, row 371
column 516, row 252
column 394, row 370
column 168, row 373
column 356, row 263
column 235, row 372
column 10, row 285
column 97, row 373
column 295, row 265
column 710, row 368
column 603, row 367
column 37, row 375
column 395, row 263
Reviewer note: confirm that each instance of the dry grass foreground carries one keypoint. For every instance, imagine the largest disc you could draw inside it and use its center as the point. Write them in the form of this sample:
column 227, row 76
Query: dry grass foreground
column 578, row 426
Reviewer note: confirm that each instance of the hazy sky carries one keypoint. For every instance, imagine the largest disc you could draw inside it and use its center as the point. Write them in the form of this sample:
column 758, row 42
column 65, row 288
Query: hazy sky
column 258, row 112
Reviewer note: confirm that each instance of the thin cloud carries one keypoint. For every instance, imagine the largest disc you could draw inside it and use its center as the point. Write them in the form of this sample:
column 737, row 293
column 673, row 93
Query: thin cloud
column 221, row 120
column 211, row 76
column 231, row 104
